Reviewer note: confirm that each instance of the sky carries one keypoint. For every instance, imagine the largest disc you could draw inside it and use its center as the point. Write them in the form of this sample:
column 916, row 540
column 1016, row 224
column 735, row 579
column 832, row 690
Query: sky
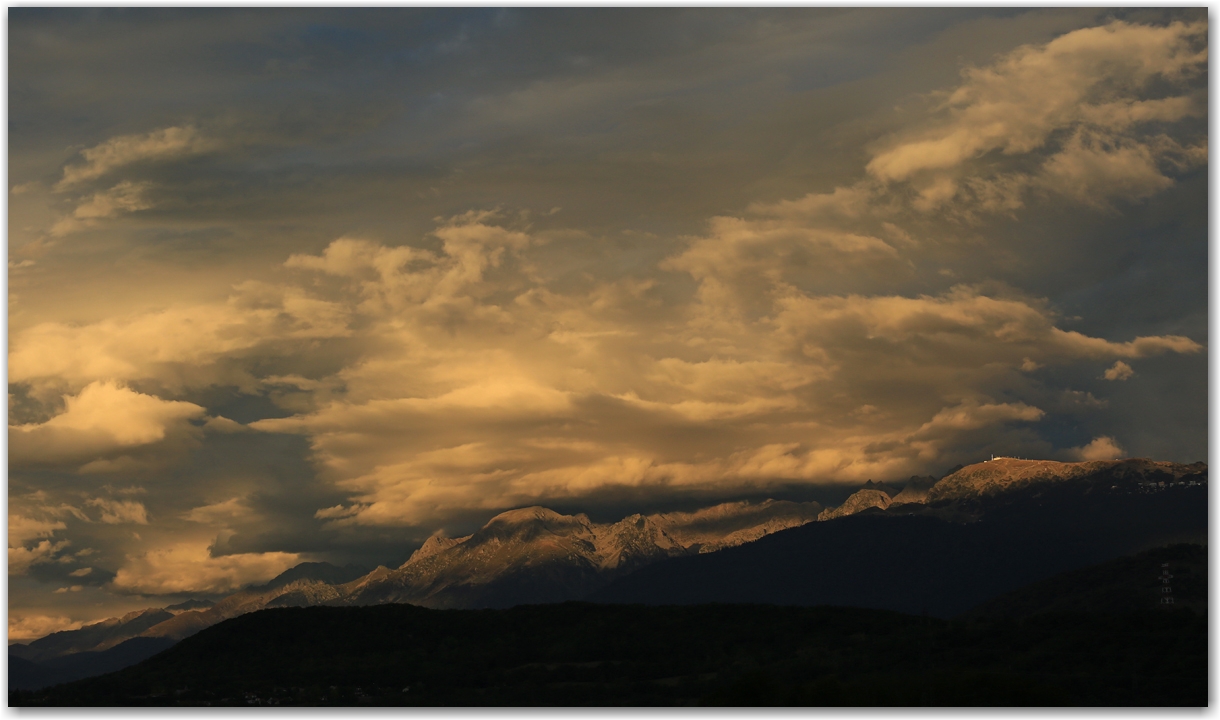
column 311, row 285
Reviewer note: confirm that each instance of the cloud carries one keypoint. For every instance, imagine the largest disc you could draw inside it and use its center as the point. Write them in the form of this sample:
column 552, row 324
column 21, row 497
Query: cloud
column 25, row 627
column 1101, row 448
column 742, row 263
column 535, row 395
column 103, row 418
column 962, row 326
column 22, row 528
column 126, row 197
column 1083, row 346
column 158, row 145
column 31, row 541
column 220, row 513
column 20, row 558
column 158, row 344
column 1093, row 84
column 973, row 415
column 1119, row 371
column 1090, row 168
column 116, row 512
column 442, row 285
column 190, row 567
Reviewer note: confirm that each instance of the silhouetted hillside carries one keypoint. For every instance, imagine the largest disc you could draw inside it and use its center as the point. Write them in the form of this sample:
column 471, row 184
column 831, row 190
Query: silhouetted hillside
column 29, row 675
column 578, row 654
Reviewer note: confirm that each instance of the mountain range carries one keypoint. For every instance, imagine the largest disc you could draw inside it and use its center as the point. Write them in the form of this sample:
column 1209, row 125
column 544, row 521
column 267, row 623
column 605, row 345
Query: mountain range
column 921, row 548
column 527, row 555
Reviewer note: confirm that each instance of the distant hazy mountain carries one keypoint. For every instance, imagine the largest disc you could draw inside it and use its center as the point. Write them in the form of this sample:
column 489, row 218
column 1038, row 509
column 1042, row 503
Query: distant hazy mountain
column 96, row 637
column 30, row 675
column 298, row 586
column 322, row 571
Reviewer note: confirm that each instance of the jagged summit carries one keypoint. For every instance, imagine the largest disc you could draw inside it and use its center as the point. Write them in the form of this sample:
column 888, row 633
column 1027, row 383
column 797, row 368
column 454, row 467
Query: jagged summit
column 435, row 543
column 525, row 524
column 861, row 500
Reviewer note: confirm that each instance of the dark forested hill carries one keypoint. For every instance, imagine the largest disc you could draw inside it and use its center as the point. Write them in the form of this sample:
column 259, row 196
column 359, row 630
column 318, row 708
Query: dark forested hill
column 579, row 654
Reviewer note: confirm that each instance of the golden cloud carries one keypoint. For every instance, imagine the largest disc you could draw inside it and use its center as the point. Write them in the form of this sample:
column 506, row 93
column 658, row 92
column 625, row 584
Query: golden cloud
column 190, row 567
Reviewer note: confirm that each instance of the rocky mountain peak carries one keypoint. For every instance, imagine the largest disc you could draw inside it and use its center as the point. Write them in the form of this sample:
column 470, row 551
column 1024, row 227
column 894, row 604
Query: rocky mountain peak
column 859, row 501
column 525, row 524
column 435, row 543
column 633, row 541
